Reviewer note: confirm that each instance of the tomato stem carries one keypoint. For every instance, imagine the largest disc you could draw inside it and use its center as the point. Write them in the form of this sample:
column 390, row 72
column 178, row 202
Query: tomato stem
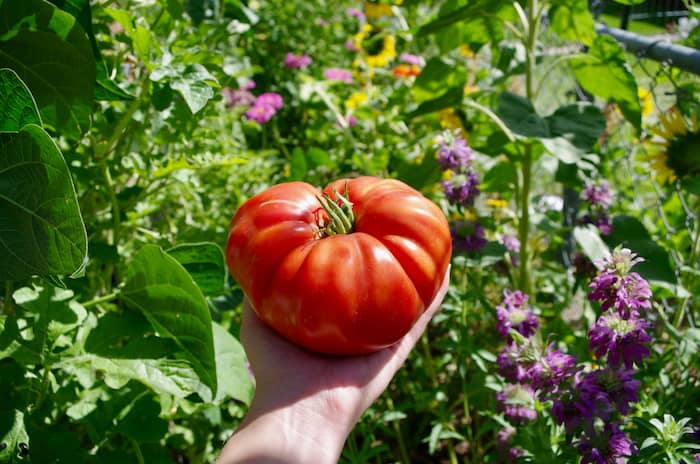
column 341, row 219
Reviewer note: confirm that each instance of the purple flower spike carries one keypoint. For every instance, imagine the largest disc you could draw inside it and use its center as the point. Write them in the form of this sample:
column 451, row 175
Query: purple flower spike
column 548, row 372
column 623, row 340
column 609, row 446
column 616, row 287
column 517, row 403
column 511, row 314
column 454, row 153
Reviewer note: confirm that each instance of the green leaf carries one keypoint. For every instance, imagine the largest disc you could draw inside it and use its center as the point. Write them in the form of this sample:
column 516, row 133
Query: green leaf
column 474, row 10
column 17, row 106
column 451, row 98
column 631, row 233
column 418, row 175
column 588, row 238
column 205, row 263
column 13, row 434
column 571, row 19
column 41, row 229
column 191, row 81
column 51, row 53
column 605, row 73
column 106, row 88
column 233, row 378
column 562, row 149
column 630, row 2
column 159, row 287
column 502, row 177
column 54, row 312
column 297, row 165
column 579, row 123
column 142, row 423
column 436, row 76
column 520, row 116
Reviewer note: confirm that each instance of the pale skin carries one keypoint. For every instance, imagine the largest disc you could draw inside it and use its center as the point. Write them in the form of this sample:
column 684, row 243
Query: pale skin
column 306, row 404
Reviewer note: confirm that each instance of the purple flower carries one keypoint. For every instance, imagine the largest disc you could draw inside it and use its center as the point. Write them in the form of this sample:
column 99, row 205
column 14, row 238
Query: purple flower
column 623, row 340
column 411, row 59
column 551, row 369
column 598, row 195
column 454, row 153
column 616, row 287
column 511, row 366
column 296, row 61
column 620, row 385
column 566, row 410
column 511, row 314
column 508, row 453
column 349, row 119
column 260, row 113
column 350, row 46
column 608, row 446
column 468, row 236
column 462, row 189
column 511, row 242
column 517, row 402
column 354, row 12
column 235, row 98
column 271, row 99
column 338, row 74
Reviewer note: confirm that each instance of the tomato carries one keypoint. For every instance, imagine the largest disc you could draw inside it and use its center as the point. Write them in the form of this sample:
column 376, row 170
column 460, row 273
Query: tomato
column 346, row 282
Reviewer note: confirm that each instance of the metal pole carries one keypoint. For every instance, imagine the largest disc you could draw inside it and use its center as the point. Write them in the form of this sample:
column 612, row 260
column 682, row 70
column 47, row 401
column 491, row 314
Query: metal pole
column 679, row 56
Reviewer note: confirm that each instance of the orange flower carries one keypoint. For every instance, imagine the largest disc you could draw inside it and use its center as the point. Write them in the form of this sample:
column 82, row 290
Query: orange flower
column 406, row 70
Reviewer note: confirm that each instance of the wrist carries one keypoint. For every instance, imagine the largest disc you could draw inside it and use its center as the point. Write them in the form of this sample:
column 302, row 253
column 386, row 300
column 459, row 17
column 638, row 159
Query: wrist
column 298, row 432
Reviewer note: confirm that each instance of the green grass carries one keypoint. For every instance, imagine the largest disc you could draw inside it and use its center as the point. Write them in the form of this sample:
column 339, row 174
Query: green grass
column 638, row 27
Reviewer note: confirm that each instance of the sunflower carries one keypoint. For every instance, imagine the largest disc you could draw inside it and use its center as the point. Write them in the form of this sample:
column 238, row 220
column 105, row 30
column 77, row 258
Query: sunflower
column 379, row 48
column 673, row 151
column 646, row 100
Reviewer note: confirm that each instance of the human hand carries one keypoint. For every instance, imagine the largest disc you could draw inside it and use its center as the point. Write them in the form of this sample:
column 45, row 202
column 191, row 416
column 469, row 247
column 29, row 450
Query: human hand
column 310, row 402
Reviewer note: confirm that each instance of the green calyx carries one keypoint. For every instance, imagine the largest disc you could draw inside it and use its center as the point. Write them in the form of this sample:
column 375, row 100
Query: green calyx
column 341, row 219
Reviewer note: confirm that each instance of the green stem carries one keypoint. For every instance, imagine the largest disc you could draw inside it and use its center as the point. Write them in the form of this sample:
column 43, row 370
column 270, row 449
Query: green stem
column 137, row 451
column 102, row 299
column 499, row 122
column 531, row 22
column 9, row 302
column 399, row 435
column 428, row 360
column 128, row 117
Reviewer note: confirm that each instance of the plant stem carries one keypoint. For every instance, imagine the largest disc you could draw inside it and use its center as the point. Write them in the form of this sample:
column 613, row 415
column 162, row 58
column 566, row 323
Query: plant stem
column 399, row 435
column 499, row 122
column 532, row 24
column 102, row 299
column 694, row 250
column 137, row 451
column 9, row 302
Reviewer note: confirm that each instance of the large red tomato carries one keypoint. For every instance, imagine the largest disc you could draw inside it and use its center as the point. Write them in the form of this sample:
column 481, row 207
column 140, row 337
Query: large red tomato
column 346, row 271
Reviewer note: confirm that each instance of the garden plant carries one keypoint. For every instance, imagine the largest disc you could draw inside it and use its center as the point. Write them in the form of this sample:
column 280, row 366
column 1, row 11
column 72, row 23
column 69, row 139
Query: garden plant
column 568, row 170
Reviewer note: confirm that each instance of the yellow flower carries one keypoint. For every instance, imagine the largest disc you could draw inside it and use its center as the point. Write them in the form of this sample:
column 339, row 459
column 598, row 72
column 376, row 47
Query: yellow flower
column 449, row 120
column 469, row 89
column 466, row 51
column 377, row 10
column 355, row 100
column 497, row 203
column 385, row 55
column 645, row 98
column 673, row 151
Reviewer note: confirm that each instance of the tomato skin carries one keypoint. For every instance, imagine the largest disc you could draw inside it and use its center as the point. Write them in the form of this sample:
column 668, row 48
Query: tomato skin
column 340, row 294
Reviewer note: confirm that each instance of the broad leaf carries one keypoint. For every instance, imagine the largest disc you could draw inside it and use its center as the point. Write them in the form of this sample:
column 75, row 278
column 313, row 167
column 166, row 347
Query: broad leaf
column 143, row 422
column 605, row 73
column 297, row 165
column 159, row 287
column 451, row 98
column 191, row 81
column 14, row 435
column 520, row 116
column 17, row 106
column 572, row 19
column 474, row 10
column 579, row 123
column 436, row 76
column 52, row 54
column 205, row 263
column 234, row 379
column 41, row 229
column 106, row 89
column 588, row 238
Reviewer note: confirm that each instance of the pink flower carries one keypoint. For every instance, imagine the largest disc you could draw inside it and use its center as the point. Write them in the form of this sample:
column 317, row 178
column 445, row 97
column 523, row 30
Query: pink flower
column 260, row 113
column 355, row 13
column 296, row 61
column 271, row 99
column 411, row 59
column 350, row 46
column 338, row 74
column 250, row 84
column 349, row 119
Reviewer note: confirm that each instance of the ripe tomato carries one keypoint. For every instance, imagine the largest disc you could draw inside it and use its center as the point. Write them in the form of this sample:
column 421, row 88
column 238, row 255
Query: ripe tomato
column 339, row 285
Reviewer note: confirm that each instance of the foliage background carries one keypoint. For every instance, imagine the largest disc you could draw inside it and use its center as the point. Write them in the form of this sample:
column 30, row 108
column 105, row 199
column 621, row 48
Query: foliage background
column 122, row 159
